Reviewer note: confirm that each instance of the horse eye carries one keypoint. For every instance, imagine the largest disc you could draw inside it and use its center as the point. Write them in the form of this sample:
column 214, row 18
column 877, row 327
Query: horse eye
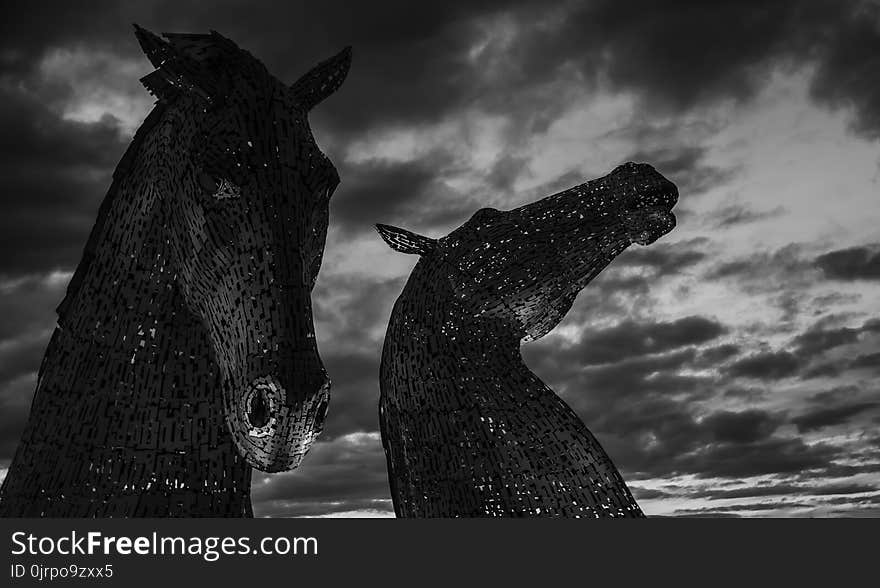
column 219, row 188
column 227, row 190
column 208, row 182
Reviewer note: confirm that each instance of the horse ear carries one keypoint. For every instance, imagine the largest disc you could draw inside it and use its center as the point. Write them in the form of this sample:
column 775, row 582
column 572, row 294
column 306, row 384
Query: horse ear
column 174, row 70
column 406, row 241
column 322, row 80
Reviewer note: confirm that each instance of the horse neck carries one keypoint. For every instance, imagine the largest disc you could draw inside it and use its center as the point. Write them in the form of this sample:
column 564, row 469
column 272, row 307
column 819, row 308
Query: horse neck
column 128, row 380
column 430, row 327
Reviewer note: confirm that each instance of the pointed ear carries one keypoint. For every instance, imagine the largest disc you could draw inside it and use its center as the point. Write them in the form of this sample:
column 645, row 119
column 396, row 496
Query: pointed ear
column 174, row 70
column 406, row 241
column 322, row 80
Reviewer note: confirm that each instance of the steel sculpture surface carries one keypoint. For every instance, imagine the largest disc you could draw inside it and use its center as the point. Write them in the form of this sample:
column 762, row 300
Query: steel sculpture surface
column 468, row 429
column 185, row 352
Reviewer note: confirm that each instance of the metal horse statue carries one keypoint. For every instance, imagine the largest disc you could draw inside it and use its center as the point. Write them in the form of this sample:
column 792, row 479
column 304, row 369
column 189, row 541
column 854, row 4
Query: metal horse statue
column 468, row 429
column 185, row 352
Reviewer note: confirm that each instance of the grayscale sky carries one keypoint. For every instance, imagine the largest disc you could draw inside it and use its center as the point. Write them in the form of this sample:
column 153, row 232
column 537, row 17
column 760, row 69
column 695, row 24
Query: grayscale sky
column 729, row 369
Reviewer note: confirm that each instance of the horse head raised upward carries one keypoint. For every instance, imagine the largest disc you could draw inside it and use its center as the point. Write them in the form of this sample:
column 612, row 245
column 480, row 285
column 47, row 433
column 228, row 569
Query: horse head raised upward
column 468, row 430
column 185, row 350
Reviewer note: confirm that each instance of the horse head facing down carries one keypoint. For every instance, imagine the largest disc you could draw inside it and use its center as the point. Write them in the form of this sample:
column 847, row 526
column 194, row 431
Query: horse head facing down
column 245, row 191
column 526, row 266
column 185, row 352
column 468, row 429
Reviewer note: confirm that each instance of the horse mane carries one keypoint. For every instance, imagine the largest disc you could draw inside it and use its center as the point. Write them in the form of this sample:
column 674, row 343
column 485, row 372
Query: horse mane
column 212, row 50
column 122, row 168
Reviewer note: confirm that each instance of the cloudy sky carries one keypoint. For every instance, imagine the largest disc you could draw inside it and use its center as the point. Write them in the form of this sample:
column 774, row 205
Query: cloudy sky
column 730, row 369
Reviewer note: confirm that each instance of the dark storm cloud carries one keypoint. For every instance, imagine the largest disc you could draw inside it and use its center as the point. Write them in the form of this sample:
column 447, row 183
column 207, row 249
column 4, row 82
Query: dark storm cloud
column 684, row 513
column 416, row 68
column 749, row 393
column 740, row 215
column 838, row 470
column 730, row 444
column 782, row 490
column 653, row 47
column 657, row 437
column 21, row 357
column 409, row 193
column 645, row 437
column 844, row 77
column 665, row 259
column 770, row 456
column 351, row 313
column 55, row 173
column 741, row 427
column 507, row 169
column 838, row 395
column 28, row 29
column 355, row 393
column 343, row 474
column 827, row 302
column 348, row 309
column 27, row 309
column 638, row 407
column 380, row 190
column 854, row 263
column 823, row 370
column 869, row 360
column 289, row 37
column 628, row 377
column 631, row 339
column 682, row 53
column 831, row 416
column 777, row 457
column 15, row 399
column 773, row 365
column 716, row 355
column 833, row 489
column 297, row 508
column 337, row 470
column 648, row 493
column 28, row 304
column 817, row 341
column 642, row 410
column 720, row 511
column 766, row 270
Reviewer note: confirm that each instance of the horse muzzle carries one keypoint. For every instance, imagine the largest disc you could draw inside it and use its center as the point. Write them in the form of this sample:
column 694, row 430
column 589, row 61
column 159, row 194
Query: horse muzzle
column 273, row 430
column 646, row 225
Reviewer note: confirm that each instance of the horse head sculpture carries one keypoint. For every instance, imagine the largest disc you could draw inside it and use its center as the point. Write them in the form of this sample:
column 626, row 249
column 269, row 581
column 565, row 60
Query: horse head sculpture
column 468, row 429
column 246, row 197
column 186, row 339
column 526, row 266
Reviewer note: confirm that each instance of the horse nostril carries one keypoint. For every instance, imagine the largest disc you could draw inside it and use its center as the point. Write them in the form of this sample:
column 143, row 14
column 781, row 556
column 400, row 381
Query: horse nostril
column 261, row 405
column 322, row 408
column 321, row 413
column 258, row 409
